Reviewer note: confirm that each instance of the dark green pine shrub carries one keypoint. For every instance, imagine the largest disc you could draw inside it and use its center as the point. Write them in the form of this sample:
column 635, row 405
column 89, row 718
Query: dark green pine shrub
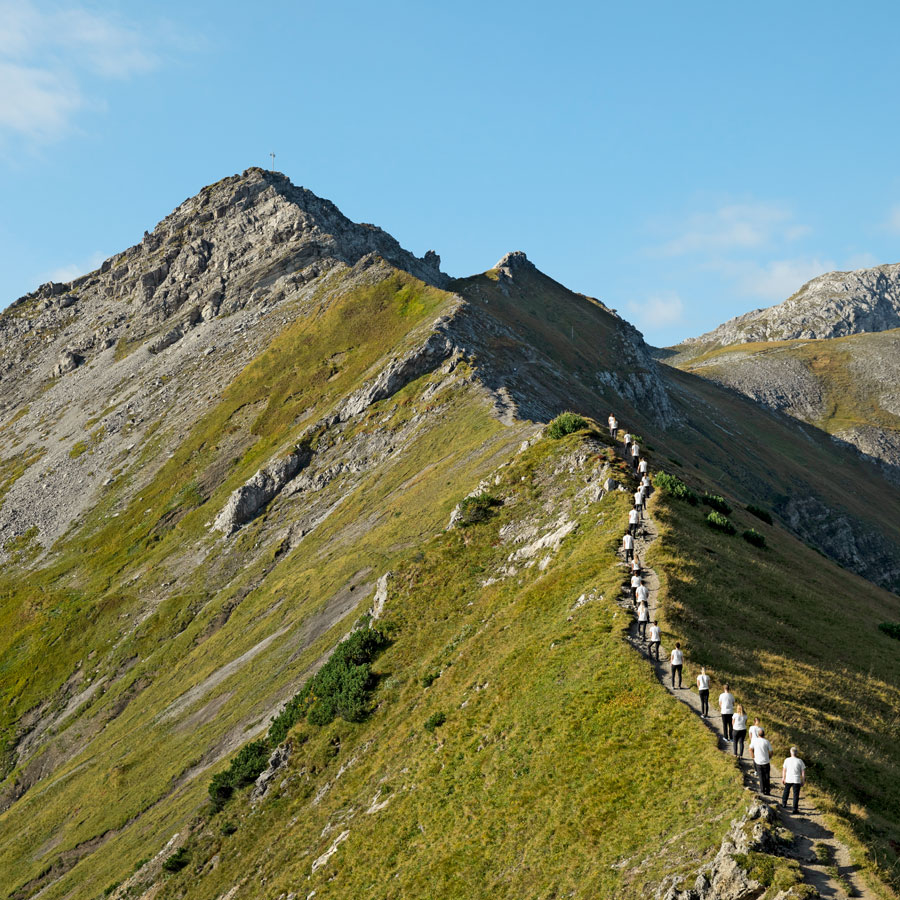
column 244, row 769
column 891, row 629
column 760, row 513
column 565, row 423
column 751, row 536
column 719, row 504
column 435, row 720
column 720, row 523
column 675, row 487
column 177, row 861
column 476, row 509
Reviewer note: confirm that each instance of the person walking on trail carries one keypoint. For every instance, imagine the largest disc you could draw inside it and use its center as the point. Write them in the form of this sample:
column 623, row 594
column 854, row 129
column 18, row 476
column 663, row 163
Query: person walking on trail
column 643, row 617
column 628, row 545
column 762, row 756
column 639, row 502
column 655, row 639
column 635, row 454
column 636, row 566
column 635, row 584
column 677, row 662
column 703, row 690
column 643, row 466
column 643, row 594
column 755, row 729
column 633, row 521
column 793, row 775
column 726, row 707
column 627, row 442
column 645, row 483
column 739, row 730
column 613, row 425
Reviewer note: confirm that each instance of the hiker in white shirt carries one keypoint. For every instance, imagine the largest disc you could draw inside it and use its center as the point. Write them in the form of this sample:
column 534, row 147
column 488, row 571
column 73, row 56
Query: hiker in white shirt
column 627, row 441
column 739, row 730
column 628, row 545
column 643, row 466
column 703, row 689
column 639, row 501
column 613, row 425
column 633, row 521
column 793, row 774
column 635, row 454
column 635, row 584
column 643, row 616
column 762, row 755
column 676, row 660
column 645, row 483
column 655, row 638
column 755, row 729
column 726, row 707
column 642, row 593
column 636, row 566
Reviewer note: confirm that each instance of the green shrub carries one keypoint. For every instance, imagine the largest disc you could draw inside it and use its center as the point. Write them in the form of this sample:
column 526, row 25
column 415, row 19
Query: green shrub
column 428, row 680
column 476, row 509
column 751, row 536
column 244, row 769
column 675, row 487
column 340, row 688
column 565, row 423
column 760, row 513
column 177, row 861
column 435, row 720
column 719, row 504
column 891, row 629
column 228, row 828
column 720, row 523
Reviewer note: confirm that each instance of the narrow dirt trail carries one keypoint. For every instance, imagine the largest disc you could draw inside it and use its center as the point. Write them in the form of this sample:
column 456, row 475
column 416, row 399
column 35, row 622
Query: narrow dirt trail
column 809, row 826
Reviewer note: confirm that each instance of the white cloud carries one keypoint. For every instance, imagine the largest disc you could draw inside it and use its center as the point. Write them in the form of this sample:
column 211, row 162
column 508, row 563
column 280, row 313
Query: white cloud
column 48, row 58
column 775, row 280
column 735, row 226
column 73, row 270
column 656, row 311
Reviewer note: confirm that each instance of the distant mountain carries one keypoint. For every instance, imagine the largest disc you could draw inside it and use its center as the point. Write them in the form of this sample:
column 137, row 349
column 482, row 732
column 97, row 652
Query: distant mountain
column 833, row 305
column 245, row 438
column 829, row 356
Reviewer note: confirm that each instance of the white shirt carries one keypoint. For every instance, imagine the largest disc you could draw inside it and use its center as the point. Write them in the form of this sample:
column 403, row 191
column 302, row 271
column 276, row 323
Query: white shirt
column 645, row 481
column 644, row 465
column 632, row 517
column 739, row 722
column 643, row 614
column 627, row 438
column 642, row 593
column 635, row 581
column 703, row 682
column 638, row 497
column 612, row 421
column 762, row 750
column 627, row 541
column 635, row 449
column 726, row 702
column 677, row 657
column 754, row 731
column 654, row 633
column 794, row 767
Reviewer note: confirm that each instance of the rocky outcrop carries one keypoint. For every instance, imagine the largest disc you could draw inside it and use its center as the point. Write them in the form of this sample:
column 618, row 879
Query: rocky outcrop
column 832, row 305
column 248, row 501
column 277, row 761
column 68, row 361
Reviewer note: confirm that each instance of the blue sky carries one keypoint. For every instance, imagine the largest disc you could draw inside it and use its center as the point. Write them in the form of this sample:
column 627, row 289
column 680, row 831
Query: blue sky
column 684, row 163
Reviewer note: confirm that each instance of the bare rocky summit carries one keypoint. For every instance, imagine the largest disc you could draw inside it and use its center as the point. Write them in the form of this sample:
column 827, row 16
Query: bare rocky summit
column 833, row 305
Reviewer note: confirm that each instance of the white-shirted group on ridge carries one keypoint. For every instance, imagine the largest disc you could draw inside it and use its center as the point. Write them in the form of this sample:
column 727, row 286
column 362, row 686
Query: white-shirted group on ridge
column 734, row 719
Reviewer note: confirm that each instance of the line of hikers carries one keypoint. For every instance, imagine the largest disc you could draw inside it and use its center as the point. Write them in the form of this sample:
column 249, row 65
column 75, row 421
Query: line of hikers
column 734, row 719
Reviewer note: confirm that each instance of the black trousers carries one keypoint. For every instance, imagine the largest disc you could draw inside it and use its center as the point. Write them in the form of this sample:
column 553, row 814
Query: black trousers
column 654, row 649
column 704, row 703
column 629, row 551
column 726, row 725
column 676, row 670
column 795, row 786
column 762, row 776
column 642, row 629
column 738, row 737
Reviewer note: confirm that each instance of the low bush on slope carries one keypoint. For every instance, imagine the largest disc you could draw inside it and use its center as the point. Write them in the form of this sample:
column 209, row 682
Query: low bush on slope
column 545, row 760
column 797, row 638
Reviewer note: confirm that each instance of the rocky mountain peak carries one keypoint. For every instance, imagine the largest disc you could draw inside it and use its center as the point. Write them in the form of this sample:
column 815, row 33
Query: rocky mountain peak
column 835, row 304
column 514, row 261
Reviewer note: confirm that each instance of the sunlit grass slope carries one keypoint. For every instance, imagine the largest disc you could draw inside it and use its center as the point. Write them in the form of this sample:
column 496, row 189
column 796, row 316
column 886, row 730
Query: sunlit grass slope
column 797, row 638
column 560, row 769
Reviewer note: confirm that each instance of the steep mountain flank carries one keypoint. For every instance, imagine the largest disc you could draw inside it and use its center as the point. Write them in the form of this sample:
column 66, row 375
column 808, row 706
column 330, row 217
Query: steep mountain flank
column 833, row 305
column 246, row 436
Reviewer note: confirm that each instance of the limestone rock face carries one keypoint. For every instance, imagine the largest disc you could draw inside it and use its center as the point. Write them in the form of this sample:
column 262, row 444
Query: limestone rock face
column 833, row 305
column 68, row 361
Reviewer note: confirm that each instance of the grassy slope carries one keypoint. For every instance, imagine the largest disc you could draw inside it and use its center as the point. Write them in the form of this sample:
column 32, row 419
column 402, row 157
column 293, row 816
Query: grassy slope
column 561, row 767
column 849, row 401
column 76, row 606
column 797, row 638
